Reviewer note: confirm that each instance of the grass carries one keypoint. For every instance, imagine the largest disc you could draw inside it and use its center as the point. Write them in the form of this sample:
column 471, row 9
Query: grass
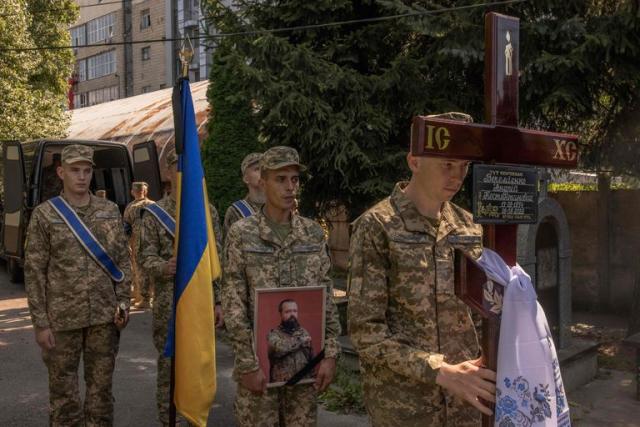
column 345, row 394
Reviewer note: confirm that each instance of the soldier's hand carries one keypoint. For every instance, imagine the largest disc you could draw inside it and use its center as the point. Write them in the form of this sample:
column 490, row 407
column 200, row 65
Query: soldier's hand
column 254, row 381
column 470, row 382
column 326, row 373
column 170, row 267
column 121, row 322
column 44, row 338
column 219, row 316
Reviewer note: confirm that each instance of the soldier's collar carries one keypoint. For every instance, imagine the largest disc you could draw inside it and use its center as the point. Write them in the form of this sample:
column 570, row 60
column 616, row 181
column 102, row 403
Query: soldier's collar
column 416, row 222
column 267, row 234
column 86, row 207
column 412, row 219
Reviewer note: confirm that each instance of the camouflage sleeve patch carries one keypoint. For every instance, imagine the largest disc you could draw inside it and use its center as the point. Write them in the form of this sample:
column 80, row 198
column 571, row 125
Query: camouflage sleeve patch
column 122, row 258
column 150, row 248
column 235, row 302
column 332, row 321
column 215, row 218
column 35, row 268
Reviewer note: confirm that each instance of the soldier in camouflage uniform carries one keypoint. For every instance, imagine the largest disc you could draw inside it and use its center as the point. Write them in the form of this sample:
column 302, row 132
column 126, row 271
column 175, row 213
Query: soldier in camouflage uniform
column 159, row 264
column 273, row 249
column 416, row 340
column 73, row 302
column 141, row 289
column 290, row 347
column 250, row 168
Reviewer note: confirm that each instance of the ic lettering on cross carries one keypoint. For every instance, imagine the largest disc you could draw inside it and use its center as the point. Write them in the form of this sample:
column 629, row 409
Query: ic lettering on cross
column 500, row 140
column 440, row 135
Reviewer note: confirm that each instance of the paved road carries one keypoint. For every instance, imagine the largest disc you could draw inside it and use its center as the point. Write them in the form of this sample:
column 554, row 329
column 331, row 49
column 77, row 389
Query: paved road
column 23, row 377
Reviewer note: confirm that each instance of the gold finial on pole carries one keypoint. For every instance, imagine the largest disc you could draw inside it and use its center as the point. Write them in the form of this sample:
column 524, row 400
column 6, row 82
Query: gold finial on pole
column 186, row 54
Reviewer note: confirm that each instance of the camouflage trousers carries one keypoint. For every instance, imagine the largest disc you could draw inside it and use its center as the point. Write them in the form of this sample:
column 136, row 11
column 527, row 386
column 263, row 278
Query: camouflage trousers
column 393, row 401
column 163, row 376
column 140, row 286
column 280, row 407
column 98, row 346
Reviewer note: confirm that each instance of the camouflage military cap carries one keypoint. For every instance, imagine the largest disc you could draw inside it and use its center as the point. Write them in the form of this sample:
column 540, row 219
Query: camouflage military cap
column 249, row 160
column 452, row 115
column 172, row 158
column 77, row 153
column 280, row 157
column 138, row 185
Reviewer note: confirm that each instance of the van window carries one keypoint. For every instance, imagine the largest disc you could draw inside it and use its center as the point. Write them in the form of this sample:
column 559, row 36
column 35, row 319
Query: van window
column 49, row 182
column 29, row 154
column 28, row 151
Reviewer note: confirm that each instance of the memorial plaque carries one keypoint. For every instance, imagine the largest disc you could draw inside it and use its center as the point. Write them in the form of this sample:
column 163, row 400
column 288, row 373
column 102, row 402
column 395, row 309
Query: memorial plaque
column 505, row 194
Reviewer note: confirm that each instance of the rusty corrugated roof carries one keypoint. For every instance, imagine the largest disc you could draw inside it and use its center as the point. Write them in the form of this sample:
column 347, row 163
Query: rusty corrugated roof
column 138, row 118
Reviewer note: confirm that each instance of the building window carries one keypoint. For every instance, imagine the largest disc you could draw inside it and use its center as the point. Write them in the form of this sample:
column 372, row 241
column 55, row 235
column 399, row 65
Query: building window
column 146, row 89
column 80, row 100
column 101, row 65
column 105, row 94
column 81, row 70
column 191, row 8
column 146, row 53
column 100, row 29
column 78, row 36
column 145, row 19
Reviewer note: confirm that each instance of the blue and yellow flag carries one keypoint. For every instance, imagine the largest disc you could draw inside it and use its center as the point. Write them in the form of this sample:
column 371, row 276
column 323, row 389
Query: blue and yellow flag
column 191, row 339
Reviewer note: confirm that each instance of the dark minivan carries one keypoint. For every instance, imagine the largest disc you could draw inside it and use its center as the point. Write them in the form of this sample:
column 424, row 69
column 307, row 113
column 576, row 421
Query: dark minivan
column 27, row 179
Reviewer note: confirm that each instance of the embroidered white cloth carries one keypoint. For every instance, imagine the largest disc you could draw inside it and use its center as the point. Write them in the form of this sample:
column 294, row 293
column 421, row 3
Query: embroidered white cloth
column 529, row 384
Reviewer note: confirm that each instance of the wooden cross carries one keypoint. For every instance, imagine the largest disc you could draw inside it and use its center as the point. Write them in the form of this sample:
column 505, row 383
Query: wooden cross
column 500, row 140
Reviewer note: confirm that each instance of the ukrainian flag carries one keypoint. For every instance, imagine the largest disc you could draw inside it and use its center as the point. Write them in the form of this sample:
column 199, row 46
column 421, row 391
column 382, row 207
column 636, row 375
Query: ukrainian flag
column 191, row 339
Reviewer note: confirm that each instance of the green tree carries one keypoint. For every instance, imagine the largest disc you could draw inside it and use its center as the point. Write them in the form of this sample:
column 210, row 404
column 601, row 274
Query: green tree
column 33, row 84
column 344, row 95
column 232, row 131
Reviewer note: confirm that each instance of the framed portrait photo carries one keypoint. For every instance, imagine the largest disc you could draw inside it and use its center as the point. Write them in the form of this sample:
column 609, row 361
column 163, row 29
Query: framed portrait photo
column 288, row 327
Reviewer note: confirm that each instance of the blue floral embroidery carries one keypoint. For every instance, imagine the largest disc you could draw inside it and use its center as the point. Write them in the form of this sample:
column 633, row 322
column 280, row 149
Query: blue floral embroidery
column 531, row 407
column 561, row 403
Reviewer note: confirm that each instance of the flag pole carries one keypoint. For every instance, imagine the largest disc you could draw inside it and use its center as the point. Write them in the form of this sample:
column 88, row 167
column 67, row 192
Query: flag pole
column 186, row 53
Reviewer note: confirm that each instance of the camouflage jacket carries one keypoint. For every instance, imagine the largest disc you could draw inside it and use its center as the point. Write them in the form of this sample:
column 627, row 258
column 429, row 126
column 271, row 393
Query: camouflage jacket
column 156, row 248
column 255, row 258
column 288, row 353
column 66, row 288
column 232, row 215
column 132, row 211
column 404, row 316
column 132, row 219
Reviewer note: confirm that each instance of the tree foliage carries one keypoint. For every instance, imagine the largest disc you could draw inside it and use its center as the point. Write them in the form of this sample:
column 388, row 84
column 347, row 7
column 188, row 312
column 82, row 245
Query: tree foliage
column 33, row 84
column 344, row 95
column 232, row 132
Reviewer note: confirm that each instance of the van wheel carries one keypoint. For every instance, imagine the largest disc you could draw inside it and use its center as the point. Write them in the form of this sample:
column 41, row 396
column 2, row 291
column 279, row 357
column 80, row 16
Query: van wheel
column 14, row 270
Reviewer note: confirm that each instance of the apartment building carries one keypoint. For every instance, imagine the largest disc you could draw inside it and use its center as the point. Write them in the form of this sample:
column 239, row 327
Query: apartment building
column 118, row 53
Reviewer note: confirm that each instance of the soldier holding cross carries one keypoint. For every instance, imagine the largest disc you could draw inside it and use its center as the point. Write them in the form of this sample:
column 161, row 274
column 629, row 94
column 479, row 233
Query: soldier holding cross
column 407, row 313
column 416, row 340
